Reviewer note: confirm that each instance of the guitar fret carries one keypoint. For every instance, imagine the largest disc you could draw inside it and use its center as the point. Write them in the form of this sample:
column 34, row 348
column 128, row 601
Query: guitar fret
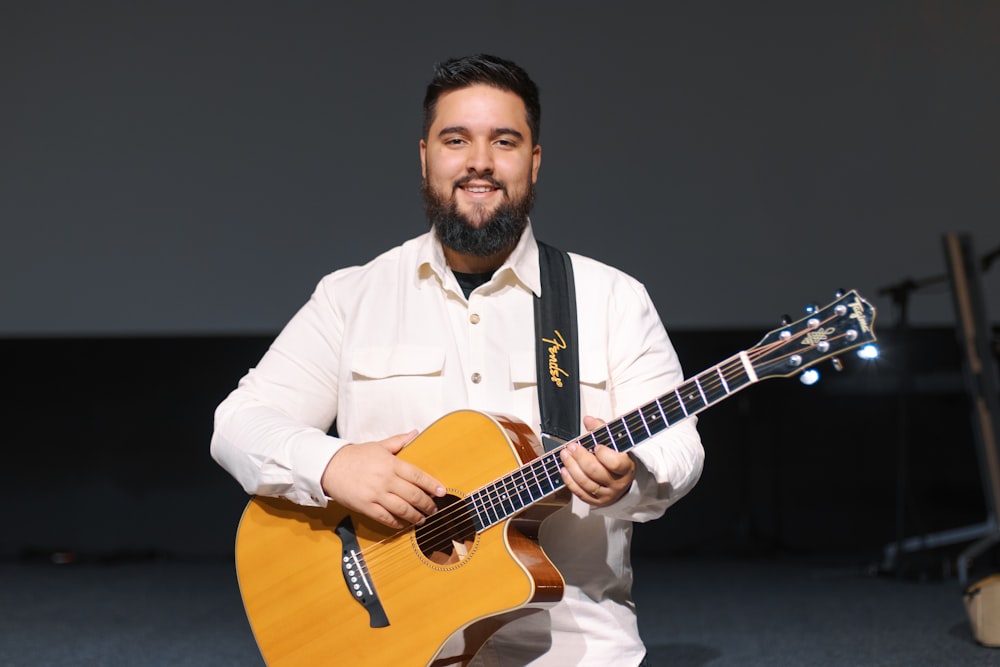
column 663, row 413
column 552, row 476
column 525, row 490
column 528, row 486
column 474, row 502
column 552, row 464
column 654, row 418
column 502, row 498
column 539, row 481
column 606, row 440
column 518, row 490
column 712, row 390
column 636, row 430
column 518, row 497
column 694, row 402
column 621, row 436
column 496, row 499
column 637, row 424
column 489, row 507
column 675, row 411
column 644, row 424
column 680, row 401
column 507, row 500
column 701, row 391
column 738, row 375
column 722, row 379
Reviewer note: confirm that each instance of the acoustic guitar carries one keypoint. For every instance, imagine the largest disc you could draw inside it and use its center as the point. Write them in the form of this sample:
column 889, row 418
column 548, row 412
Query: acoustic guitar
column 325, row 586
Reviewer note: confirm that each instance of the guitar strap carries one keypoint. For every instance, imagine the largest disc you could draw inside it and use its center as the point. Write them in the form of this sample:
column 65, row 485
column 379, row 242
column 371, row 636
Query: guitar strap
column 557, row 354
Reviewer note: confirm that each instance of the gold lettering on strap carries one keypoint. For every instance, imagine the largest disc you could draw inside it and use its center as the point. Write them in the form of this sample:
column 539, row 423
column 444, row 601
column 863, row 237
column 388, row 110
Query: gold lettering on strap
column 556, row 344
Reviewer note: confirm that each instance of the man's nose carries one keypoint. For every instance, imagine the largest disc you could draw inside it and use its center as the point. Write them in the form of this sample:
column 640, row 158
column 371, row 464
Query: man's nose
column 480, row 158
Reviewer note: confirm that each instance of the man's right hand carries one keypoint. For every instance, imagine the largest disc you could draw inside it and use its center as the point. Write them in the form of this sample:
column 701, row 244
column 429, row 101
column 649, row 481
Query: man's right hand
column 369, row 479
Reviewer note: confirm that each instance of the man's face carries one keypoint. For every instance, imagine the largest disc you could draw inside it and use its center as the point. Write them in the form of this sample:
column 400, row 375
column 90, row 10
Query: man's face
column 479, row 169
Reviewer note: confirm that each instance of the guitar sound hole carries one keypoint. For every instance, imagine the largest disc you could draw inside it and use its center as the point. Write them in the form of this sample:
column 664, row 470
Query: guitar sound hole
column 448, row 536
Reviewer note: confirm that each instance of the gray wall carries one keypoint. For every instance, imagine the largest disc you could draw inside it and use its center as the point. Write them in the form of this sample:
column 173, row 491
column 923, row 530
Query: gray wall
column 176, row 168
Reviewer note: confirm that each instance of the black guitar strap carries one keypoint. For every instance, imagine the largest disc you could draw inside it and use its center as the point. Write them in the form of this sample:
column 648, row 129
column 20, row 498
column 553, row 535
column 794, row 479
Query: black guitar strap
column 557, row 354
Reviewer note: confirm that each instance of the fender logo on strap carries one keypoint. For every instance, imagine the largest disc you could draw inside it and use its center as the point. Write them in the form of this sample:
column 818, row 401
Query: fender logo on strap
column 556, row 344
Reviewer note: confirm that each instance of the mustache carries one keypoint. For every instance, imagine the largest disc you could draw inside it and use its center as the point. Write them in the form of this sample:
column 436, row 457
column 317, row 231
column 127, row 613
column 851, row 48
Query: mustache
column 486, row 178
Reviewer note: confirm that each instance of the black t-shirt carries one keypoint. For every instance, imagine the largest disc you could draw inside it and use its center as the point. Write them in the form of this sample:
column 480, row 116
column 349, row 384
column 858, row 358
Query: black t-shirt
column 470, row 281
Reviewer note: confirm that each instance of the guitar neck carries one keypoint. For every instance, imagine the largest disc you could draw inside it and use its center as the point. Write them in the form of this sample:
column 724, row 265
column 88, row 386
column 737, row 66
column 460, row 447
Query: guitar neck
column 842, row 325
column 540, row 478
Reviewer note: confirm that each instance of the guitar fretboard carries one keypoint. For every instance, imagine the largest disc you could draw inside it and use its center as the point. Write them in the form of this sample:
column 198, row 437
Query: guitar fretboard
column 540, row 478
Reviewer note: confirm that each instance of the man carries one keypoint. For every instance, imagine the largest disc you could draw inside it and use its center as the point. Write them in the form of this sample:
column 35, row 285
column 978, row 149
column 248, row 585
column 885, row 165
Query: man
column 445, row 322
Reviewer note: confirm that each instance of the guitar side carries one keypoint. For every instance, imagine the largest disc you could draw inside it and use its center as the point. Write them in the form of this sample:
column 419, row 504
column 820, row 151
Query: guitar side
column 302, row 612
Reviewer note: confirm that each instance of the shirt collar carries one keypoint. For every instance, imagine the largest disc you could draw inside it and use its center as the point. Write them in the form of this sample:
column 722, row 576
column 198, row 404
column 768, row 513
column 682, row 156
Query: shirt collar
column 521, row 265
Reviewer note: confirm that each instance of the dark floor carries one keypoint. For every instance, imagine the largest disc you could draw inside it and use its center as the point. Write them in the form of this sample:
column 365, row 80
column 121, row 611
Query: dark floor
column 694, row 612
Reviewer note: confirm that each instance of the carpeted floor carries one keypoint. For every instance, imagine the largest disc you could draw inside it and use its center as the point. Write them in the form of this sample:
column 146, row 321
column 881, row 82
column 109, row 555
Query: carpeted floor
column 694, row 612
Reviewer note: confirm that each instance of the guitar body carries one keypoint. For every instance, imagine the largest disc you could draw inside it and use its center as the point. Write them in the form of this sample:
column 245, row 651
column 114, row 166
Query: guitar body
column 303, row 611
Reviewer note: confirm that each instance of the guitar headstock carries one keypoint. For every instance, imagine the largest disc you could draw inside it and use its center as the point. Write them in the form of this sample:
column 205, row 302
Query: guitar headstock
column 842, row 325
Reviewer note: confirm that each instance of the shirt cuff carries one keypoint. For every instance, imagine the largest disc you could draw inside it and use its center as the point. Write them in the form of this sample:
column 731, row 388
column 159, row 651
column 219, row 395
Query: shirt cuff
column 311, row 454
column 624, row 506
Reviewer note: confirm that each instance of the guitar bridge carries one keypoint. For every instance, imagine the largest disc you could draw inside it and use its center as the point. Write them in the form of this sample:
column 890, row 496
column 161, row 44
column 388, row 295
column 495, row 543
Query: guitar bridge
column 356, row 576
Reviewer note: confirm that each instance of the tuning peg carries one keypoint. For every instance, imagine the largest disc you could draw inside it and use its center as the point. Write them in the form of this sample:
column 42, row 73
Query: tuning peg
column 811, row 308
column 837, row 364
column 786, row 320
column 840, row 292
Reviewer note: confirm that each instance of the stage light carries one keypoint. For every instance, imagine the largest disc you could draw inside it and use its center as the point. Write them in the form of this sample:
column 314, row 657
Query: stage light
column 868, row 352
column 809, row 377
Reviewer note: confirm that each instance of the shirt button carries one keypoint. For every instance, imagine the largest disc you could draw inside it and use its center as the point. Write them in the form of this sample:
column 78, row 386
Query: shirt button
column 476, row 378
column 474, row 318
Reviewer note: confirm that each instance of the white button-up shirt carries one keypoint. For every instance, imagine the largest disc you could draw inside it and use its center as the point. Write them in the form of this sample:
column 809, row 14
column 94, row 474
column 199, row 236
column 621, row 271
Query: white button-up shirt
column 394, row 345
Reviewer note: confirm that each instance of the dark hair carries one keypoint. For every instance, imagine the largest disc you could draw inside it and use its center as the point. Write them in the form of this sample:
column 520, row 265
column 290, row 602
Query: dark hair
column 482, row 69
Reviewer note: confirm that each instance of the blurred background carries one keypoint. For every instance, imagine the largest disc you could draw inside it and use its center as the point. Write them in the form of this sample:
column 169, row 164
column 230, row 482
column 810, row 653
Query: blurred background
column 175, row 177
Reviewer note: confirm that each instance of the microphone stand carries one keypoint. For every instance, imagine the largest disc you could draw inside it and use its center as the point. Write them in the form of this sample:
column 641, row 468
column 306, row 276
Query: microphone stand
column 900, row 294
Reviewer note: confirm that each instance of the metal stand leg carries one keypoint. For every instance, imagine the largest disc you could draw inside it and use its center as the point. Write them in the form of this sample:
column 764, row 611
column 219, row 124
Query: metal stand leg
column 983, row 387
column 988, row 531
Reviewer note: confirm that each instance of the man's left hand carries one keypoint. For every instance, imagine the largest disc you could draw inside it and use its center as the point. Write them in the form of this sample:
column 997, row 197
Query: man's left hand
column 599, row 478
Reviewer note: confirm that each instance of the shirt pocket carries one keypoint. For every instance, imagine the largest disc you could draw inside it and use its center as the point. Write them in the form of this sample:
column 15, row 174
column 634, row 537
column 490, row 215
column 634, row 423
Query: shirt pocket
column 384, row 362
column 393, row 389
column 594, row 383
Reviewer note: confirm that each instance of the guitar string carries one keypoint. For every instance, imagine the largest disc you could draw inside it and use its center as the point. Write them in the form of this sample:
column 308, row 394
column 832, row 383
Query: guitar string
column 444, row 524
column 494, row 497
column 459, row 513
column 460, row 508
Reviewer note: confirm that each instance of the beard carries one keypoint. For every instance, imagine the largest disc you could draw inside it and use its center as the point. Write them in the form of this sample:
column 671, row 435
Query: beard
column 495, row 232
